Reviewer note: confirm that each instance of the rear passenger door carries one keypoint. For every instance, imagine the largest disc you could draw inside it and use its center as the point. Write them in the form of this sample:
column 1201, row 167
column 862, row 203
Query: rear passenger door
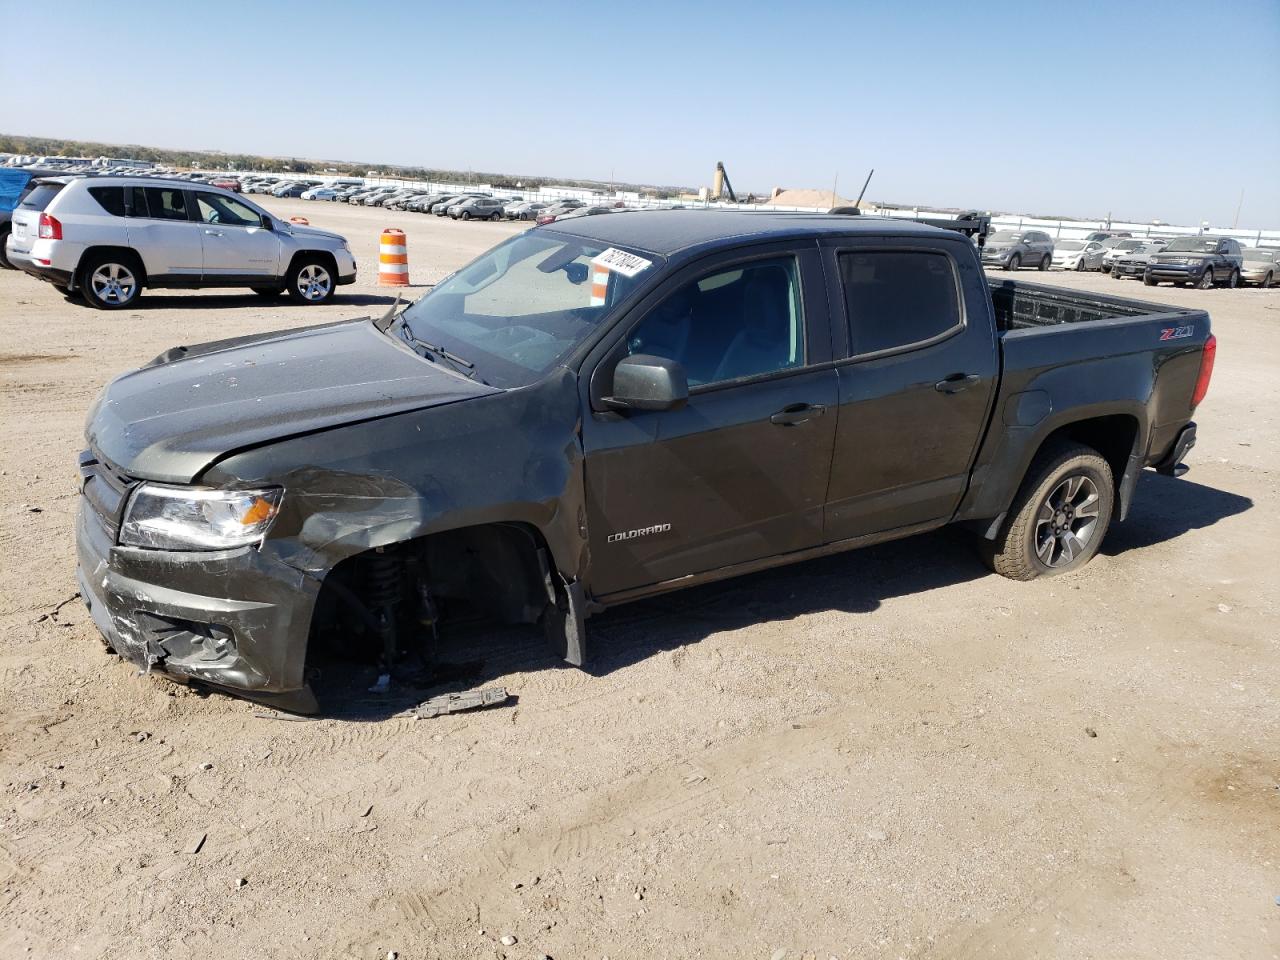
column 916, row 382
column 162, row 232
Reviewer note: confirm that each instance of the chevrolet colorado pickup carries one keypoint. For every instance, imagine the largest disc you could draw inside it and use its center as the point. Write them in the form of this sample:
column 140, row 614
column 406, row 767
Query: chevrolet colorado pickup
column 603, row 410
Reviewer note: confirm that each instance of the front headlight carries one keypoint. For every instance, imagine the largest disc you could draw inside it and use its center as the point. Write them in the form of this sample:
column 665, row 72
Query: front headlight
column 192, row 518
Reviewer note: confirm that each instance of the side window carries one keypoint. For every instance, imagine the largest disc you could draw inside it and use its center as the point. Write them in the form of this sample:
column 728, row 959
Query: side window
column 111, row 199
column 898, row 298
column 215, row 208
column 164, row 203
column 735, row 323
column 137, row 202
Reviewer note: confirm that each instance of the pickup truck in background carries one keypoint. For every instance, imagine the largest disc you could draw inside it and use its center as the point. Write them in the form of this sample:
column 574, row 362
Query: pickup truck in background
column 607, row 409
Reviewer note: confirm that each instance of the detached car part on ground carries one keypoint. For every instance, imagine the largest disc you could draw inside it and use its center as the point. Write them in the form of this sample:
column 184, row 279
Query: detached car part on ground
column 604, row 411
column 107, row 239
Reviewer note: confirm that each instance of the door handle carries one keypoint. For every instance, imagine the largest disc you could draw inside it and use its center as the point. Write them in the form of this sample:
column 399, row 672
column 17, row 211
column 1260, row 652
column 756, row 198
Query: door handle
column 213, row 233
column 794, row 413
column 956, row 382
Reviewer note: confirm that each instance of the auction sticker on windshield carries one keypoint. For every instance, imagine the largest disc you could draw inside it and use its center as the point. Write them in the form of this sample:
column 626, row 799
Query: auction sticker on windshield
column 619, row 261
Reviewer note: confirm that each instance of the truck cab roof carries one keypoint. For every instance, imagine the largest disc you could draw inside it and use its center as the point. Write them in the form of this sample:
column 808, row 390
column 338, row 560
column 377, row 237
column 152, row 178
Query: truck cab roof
column 681, row 232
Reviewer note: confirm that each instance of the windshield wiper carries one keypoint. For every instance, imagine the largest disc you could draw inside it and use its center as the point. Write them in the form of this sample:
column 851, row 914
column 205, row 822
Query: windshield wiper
column 461, row 364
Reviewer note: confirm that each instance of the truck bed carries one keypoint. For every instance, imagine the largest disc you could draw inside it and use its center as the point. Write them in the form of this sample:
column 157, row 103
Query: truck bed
column 1020, row 306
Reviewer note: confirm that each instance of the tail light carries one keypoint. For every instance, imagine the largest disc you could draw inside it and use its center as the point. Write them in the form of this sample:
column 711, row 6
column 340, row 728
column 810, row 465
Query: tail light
column 1206, row 370
column 50, row 227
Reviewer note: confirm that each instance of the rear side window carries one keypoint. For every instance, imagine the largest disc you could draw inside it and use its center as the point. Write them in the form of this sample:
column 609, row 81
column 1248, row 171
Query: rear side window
column 111, row 199
column 897, row 299
column 164, row 203
column 41, row 196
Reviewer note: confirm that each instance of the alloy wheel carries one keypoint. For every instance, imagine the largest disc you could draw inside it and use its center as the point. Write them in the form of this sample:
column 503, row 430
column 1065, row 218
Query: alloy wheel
column 314, row 282
column 113, row 283
column 1067, row 521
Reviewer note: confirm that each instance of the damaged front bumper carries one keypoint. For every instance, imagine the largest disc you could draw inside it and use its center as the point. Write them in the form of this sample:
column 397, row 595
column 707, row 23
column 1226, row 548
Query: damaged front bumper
column 235, row 619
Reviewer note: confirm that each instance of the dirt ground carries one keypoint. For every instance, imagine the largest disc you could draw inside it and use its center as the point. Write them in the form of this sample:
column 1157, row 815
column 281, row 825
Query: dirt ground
column 879, row 755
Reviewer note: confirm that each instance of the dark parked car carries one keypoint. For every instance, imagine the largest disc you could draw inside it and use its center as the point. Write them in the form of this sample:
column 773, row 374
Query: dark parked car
column 1261, row 266
column 15, row 183
column 558, row 209
column 608, row 410
column 478, row 208
column 1201, row 261
column 1014, row 249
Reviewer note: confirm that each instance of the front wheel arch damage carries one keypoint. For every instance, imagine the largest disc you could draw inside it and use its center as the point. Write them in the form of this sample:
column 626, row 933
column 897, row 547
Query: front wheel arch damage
column 391, row 605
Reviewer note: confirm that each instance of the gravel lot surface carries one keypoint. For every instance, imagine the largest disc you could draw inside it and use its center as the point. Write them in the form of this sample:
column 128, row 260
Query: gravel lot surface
column 891, row 753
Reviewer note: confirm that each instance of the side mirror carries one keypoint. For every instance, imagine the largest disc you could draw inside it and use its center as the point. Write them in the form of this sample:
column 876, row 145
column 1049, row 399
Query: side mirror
column 644, row 382
column 267, row 223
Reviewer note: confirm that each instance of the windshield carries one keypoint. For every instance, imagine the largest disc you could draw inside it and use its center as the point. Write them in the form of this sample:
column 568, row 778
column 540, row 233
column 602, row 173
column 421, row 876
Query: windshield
column 1070, row 245
column 1128, row 245
column 1260, row 253
column 1193, row 245
column 523, row 306
column 1005, row 236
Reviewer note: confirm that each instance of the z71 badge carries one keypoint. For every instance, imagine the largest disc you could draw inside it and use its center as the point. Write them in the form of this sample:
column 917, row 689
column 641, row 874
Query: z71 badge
column 1177, row 333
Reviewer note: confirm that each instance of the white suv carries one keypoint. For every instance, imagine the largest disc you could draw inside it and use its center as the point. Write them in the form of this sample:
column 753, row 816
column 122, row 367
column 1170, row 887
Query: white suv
column 108, row 237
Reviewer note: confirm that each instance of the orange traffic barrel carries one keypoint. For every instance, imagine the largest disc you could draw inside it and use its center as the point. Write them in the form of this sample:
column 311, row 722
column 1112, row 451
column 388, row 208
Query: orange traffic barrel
column 599, row 285
column 301, row 221
column 393, row 259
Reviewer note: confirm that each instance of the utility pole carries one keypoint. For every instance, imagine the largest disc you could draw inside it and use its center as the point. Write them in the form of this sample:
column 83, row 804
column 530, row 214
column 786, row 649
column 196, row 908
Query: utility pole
column 835, row 181
column 1235, row 223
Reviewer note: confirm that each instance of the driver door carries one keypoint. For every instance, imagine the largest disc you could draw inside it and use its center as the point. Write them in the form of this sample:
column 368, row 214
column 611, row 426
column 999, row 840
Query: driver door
column 236, row 244
column 739, row 472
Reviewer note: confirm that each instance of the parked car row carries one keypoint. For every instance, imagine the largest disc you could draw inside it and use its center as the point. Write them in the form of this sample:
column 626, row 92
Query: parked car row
column 464, row 205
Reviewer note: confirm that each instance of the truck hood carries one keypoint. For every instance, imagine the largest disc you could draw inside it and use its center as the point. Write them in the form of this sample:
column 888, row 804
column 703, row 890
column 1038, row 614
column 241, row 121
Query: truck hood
column 169, row 421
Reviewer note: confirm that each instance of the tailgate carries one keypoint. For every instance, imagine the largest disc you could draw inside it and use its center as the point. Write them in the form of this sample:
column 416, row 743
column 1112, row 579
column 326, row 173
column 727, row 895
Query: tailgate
column 26, row 216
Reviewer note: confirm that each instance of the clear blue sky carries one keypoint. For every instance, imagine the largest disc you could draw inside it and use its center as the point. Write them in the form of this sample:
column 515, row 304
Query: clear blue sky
column 1143, row 109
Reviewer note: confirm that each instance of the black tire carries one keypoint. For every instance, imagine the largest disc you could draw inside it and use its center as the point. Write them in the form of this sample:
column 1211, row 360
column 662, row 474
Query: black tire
column 495, row 216
column 1266, row 282
column 1045, row 261
column 1080, row 265
column 1043, row 534
column 1014, row 263
column 1150, row 281
column 269, row 293
column 1206, row 281
column 1233, row 281
column 311, row 280
column 110, row 281
column 4, row 259
column 466, row 214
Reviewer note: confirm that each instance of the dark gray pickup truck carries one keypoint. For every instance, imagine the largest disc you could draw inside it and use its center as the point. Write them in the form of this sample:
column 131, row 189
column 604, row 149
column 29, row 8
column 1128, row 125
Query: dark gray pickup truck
column 604, row 410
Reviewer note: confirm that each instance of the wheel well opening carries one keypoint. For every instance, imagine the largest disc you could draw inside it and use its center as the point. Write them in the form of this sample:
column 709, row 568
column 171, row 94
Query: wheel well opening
column 124, row 253
column 1112, row 436
column 303, row 256
column 393, row 606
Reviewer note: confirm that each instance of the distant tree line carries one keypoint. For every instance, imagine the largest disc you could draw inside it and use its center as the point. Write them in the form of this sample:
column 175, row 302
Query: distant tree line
column 217, row 160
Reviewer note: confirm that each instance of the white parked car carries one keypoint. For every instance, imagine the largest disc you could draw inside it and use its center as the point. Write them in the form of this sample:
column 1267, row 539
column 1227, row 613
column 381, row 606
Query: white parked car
column 1124, row 248
column 1078, row 254
column 108, row 238
column 319, row 193
column 1134, row 263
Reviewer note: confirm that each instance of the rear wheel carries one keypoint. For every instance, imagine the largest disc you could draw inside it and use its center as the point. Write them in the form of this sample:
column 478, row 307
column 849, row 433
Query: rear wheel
column 1234, row 280
column 1059, row 517
column 310, row 281
column 1015, row 263
column 4, row 259
column 1045, row 261
column 110, row 281
column 1206, row 282
column 495, row 216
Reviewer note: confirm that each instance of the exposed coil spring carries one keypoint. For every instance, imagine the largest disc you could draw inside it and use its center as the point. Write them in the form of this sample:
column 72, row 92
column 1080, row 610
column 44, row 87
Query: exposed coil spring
column 382, row 576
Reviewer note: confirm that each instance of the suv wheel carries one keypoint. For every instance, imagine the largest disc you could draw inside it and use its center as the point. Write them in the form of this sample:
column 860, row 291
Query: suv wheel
column 1015, row 263
column 1060, row 515
column 1234, row 280
column 466, row 214
column 4, row 260
column 310, row 281
column 1206, row 282
column 495, row 216
column 1150, row 281
column 1045, row 261
column 110, row 281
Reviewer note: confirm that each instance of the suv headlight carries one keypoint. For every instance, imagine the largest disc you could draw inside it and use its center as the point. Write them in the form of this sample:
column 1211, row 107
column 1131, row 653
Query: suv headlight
column 194, row 518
